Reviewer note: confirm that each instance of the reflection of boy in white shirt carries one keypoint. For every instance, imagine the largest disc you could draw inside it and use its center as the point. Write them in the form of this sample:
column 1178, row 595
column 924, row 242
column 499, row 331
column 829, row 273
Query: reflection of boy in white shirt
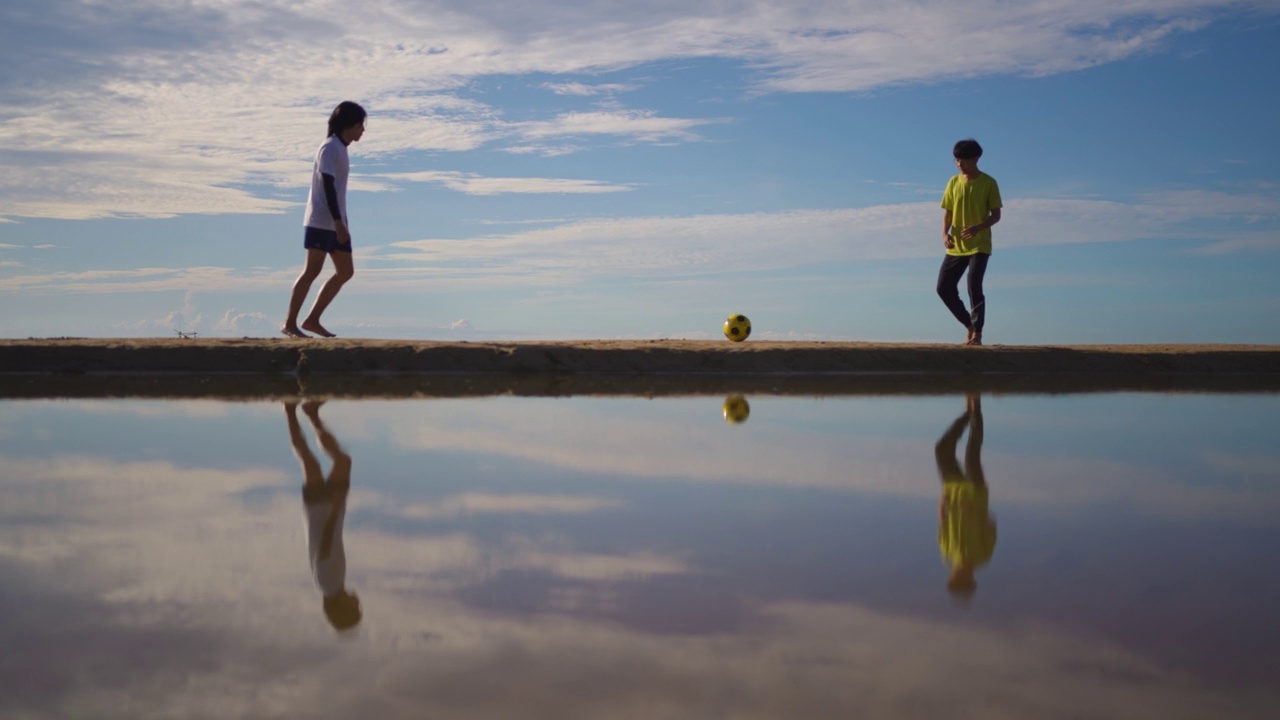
column 325, row 502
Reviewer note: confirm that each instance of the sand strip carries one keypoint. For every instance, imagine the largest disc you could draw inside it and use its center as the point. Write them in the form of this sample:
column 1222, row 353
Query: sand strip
column 252, row 367
column 614, row 357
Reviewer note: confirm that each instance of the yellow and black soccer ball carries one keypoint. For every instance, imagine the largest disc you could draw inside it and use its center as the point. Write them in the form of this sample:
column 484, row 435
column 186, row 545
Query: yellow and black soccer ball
column 736, row 409
column 737, row 327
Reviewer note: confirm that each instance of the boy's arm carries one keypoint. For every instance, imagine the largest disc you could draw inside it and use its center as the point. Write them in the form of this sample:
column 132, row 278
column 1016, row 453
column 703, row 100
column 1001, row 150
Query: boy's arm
column 992, row 218
column 947, row 242
column 331, row 198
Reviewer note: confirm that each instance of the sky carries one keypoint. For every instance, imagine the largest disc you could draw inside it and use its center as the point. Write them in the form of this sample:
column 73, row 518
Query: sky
column 577, row 170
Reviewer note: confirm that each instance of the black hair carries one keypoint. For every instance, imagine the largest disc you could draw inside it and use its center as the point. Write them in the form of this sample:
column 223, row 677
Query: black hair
column 967, row 149
column 347, row 114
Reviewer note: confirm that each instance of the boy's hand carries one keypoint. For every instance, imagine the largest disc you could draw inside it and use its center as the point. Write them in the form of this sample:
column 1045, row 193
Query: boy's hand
column 972, row 230
column 344, row 236
column 947, row 242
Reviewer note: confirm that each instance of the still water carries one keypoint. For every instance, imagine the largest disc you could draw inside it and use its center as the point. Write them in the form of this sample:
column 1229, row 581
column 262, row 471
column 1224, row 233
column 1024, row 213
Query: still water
column 1083, row 555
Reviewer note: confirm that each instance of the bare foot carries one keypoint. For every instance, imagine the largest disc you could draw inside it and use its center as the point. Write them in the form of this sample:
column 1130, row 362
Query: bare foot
column 315, row 327
column 293, row 332
column 312, row 407
column 974, row 339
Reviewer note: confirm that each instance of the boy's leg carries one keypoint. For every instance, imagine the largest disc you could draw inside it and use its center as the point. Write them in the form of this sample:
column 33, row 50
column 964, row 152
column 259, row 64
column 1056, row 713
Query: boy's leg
column 302, row 286
column 343, row 269
column 944, row 453
column 973, row 449
column 311, row 473
column 977, row 299
column 340, row 475
column 949, row 275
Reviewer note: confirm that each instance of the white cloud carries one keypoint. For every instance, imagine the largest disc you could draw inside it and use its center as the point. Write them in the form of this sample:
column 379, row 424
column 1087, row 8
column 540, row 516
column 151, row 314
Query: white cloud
column 234, row 322
column 189, row 319
column 1261, row 241
column 895, row 44
column 587, row 90
column 711, row 246
column 151, row 108
column 642, row 125
column 705, row 244
column 545, row 150
column 606, row 443
column 472, row 184
column 474, row 503
column 130, row 184
column 604, row 568
column 175, row 409
column 615, row 445
column 716, row 244
column 202, row 279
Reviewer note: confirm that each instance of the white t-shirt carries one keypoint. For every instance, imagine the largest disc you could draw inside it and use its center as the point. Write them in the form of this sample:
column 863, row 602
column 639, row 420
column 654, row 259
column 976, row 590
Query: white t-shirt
column 330, row 572
column 331, row 159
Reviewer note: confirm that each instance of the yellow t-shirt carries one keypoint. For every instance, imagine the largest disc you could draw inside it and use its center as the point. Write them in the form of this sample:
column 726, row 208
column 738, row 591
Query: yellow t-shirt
column 966, row 535
column 970, row 202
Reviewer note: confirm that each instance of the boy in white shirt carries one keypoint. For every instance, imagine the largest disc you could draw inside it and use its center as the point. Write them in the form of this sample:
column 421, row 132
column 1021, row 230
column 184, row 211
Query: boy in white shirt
column 327, row 233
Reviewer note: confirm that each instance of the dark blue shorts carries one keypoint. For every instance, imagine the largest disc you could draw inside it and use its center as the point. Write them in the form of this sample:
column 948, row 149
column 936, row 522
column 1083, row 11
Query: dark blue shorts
column 326, row 240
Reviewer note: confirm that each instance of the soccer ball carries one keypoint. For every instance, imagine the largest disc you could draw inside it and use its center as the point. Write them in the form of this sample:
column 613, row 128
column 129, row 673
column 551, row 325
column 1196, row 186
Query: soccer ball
column 736, row 409
column 737, row 327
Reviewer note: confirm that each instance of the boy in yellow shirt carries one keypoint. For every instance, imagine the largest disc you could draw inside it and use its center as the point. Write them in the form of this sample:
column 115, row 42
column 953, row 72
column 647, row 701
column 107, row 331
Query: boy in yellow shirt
column 971, row 205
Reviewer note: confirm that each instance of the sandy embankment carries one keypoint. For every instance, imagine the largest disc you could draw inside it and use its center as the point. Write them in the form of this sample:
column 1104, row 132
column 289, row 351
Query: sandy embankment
column 260, row 355
column 628, row 366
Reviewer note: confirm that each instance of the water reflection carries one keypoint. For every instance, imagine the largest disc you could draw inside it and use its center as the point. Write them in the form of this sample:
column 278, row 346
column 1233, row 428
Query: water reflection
column 736, row 409
column 324, row 500
column 625, row 556
column 966, row 528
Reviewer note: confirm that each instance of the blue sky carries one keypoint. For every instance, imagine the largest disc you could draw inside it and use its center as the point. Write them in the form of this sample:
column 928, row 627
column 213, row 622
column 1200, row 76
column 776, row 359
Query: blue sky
column 561, row 170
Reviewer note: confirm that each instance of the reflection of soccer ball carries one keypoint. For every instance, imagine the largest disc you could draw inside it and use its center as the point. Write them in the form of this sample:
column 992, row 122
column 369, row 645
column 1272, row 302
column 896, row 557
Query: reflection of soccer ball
column 736, row 409
column 737, row 328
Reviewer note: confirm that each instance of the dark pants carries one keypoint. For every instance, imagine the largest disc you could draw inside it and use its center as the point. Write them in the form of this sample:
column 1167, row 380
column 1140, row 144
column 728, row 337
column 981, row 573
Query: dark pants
column 953, row 267
column 945, row 451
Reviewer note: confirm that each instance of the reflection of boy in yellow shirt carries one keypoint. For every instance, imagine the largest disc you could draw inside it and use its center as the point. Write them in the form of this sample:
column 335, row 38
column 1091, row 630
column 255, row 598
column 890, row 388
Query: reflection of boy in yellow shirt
column 966, row 529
